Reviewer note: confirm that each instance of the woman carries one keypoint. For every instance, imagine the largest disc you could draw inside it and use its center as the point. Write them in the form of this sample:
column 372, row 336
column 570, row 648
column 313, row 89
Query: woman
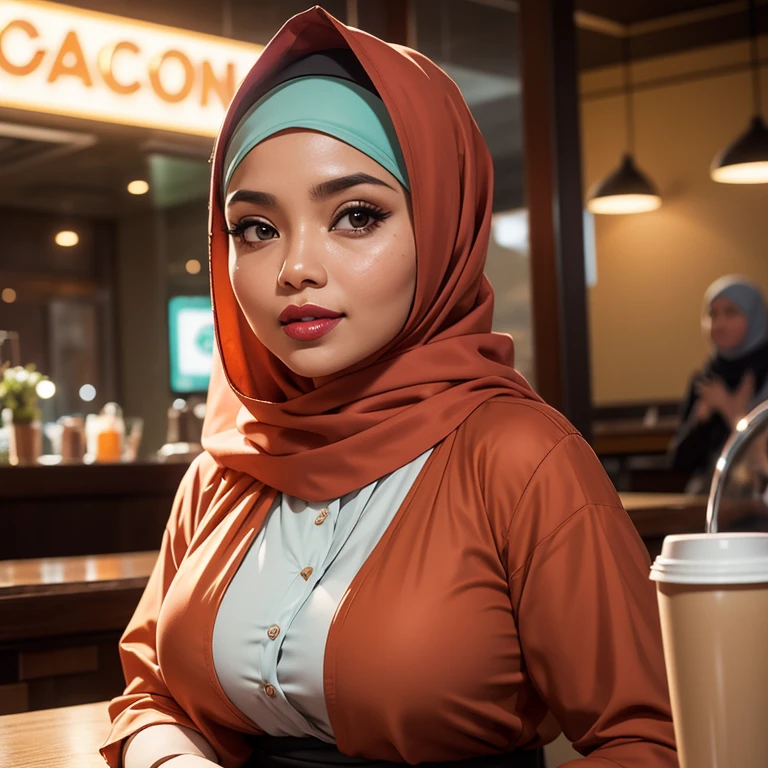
column 391, row 550
column 733, row 382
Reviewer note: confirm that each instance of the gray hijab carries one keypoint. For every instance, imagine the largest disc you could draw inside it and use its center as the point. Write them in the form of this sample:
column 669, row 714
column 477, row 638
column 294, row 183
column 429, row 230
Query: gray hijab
column 749, row 299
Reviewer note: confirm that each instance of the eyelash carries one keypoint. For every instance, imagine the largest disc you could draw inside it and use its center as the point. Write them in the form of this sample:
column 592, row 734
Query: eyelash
column 377, row 214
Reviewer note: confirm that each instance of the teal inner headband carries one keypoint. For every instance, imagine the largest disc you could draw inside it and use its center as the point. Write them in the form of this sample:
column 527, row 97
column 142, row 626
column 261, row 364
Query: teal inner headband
column 329, row 105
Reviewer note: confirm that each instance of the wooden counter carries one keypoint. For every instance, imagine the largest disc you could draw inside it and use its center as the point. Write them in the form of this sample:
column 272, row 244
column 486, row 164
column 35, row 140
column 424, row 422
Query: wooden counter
column 624, row 437
column 62, row 619
column 54, row 738
column 78, row 509
column 71, row 595
column 662, row 514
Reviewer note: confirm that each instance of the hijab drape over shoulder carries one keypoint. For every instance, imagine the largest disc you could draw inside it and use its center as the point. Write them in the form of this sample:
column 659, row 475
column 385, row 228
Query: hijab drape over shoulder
column 322, row 442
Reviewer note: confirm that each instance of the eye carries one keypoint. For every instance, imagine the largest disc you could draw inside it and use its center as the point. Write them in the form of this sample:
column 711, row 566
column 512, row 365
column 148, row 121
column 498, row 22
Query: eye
column 358, row 218
column 253, row 231
column 258, row 232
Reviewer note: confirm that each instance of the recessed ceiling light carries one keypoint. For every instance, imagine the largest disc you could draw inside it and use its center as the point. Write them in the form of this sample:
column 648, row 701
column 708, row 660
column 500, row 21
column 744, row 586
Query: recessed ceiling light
column 67, row 238
column 138, row 187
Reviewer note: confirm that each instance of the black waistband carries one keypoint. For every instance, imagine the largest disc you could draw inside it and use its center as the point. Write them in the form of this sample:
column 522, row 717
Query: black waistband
column 295, row 752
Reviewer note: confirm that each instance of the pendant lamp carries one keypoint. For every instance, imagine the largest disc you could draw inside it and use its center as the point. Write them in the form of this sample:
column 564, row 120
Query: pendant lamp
column 627, row 189
column 746, row 160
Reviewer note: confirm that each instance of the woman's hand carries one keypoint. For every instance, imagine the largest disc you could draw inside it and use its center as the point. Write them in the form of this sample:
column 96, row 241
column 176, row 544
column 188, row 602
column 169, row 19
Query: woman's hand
column 732, row 406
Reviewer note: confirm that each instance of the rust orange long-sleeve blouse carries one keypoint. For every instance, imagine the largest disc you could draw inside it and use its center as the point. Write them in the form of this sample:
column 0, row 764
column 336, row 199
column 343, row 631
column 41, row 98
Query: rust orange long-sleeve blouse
column 508, row 600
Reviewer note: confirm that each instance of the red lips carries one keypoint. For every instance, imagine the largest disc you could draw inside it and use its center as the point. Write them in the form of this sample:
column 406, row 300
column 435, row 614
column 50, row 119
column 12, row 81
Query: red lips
column 293, row 313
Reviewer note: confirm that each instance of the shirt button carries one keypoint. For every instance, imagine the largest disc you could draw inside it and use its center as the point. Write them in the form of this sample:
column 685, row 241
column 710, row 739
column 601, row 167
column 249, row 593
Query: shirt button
column 273, row 632
column 270, row 691
column 320, row 519
column 306, row 573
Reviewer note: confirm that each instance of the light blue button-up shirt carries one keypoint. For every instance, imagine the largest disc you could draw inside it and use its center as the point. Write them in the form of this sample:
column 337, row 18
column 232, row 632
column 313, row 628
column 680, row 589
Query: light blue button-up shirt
column 272, row 625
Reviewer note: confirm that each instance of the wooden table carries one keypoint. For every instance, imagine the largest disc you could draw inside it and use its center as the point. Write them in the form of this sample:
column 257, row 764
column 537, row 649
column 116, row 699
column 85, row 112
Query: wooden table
column 54, row 738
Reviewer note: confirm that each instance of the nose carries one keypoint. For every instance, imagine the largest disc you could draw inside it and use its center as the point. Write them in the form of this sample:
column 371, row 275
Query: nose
column 303, row 263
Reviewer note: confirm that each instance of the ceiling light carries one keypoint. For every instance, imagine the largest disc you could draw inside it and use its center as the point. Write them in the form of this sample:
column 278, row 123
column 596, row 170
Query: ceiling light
column 193, row 267
column 745, row 161
column 8, row 295
column 138, row 187
column 67, row 238
column 627, row 189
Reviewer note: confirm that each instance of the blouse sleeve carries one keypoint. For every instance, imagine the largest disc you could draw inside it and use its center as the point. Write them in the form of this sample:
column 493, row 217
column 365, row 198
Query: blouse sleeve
column 587, row 615
column 146, row 700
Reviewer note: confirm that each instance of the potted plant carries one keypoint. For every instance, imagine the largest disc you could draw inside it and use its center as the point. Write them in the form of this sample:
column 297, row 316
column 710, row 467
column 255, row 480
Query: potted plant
column 18, row 401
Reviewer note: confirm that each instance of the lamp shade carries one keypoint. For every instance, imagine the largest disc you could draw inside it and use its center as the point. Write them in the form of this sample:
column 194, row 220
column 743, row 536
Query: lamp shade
column 746, row 160
column 626, row 190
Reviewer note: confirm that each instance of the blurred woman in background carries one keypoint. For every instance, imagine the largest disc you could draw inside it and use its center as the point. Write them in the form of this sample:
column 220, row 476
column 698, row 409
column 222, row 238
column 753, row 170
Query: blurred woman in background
column 733, row 381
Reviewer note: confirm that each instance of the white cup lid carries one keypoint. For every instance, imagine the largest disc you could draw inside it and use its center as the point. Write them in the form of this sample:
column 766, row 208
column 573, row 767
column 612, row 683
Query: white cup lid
column 716, row 558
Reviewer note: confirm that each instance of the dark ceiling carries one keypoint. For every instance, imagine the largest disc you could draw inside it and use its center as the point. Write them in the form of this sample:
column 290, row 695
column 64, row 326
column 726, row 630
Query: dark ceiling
column 634, row 11
column 657, row 27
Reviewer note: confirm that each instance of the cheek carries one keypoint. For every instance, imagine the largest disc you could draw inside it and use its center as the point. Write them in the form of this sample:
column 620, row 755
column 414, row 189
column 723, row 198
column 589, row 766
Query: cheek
column 387, row 273
column 740, row 328
column 248, row 285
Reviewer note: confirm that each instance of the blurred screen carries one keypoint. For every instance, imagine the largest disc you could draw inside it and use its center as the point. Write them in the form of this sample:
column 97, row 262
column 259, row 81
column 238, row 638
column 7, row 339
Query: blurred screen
column 190, row 324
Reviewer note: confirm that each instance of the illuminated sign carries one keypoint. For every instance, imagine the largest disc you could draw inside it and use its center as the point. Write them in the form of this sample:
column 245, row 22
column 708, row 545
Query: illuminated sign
column 68, row 61
column 191, row 337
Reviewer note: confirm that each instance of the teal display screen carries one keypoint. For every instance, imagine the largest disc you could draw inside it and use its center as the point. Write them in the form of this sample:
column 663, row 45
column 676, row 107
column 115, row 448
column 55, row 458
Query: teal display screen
column 190, row 325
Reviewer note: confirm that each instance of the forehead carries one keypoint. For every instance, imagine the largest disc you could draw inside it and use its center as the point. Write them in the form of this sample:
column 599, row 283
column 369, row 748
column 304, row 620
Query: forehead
column 724, row 304
column 298, row 155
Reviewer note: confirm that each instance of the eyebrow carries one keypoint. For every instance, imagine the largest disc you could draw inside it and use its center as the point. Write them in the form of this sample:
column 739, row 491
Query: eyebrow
column 328, row 188
column 318, row 192
column 252, row 196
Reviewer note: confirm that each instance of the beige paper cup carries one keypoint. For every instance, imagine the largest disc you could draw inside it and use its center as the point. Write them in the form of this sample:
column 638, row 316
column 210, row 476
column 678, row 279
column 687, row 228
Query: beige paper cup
column 713, row 603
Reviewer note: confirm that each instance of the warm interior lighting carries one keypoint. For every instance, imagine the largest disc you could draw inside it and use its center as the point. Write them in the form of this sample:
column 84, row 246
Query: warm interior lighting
column 744, row 173
column 138, row 187
column 624, row 204
column 46, row 389
column 626, row 190
column 8, row 295
column 193, row 267
column 745, row 161
column 66, row 238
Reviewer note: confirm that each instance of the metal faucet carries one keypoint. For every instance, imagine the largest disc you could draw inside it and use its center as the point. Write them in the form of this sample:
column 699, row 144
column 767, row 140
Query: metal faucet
column 745, row 429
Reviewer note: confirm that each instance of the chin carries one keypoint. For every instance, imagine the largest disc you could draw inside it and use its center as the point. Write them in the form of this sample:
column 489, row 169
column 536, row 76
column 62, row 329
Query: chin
column 317, row 363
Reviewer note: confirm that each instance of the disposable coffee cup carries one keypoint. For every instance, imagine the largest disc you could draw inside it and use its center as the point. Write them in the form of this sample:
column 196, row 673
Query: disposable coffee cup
column 713, row 603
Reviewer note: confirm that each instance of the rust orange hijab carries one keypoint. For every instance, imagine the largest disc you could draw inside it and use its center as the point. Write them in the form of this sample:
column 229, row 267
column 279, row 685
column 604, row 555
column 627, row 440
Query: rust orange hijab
column 322, row 442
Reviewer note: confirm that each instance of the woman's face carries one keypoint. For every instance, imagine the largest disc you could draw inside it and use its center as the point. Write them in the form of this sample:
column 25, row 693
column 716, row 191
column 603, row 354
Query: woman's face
column 728, row 324
column 322, row 255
